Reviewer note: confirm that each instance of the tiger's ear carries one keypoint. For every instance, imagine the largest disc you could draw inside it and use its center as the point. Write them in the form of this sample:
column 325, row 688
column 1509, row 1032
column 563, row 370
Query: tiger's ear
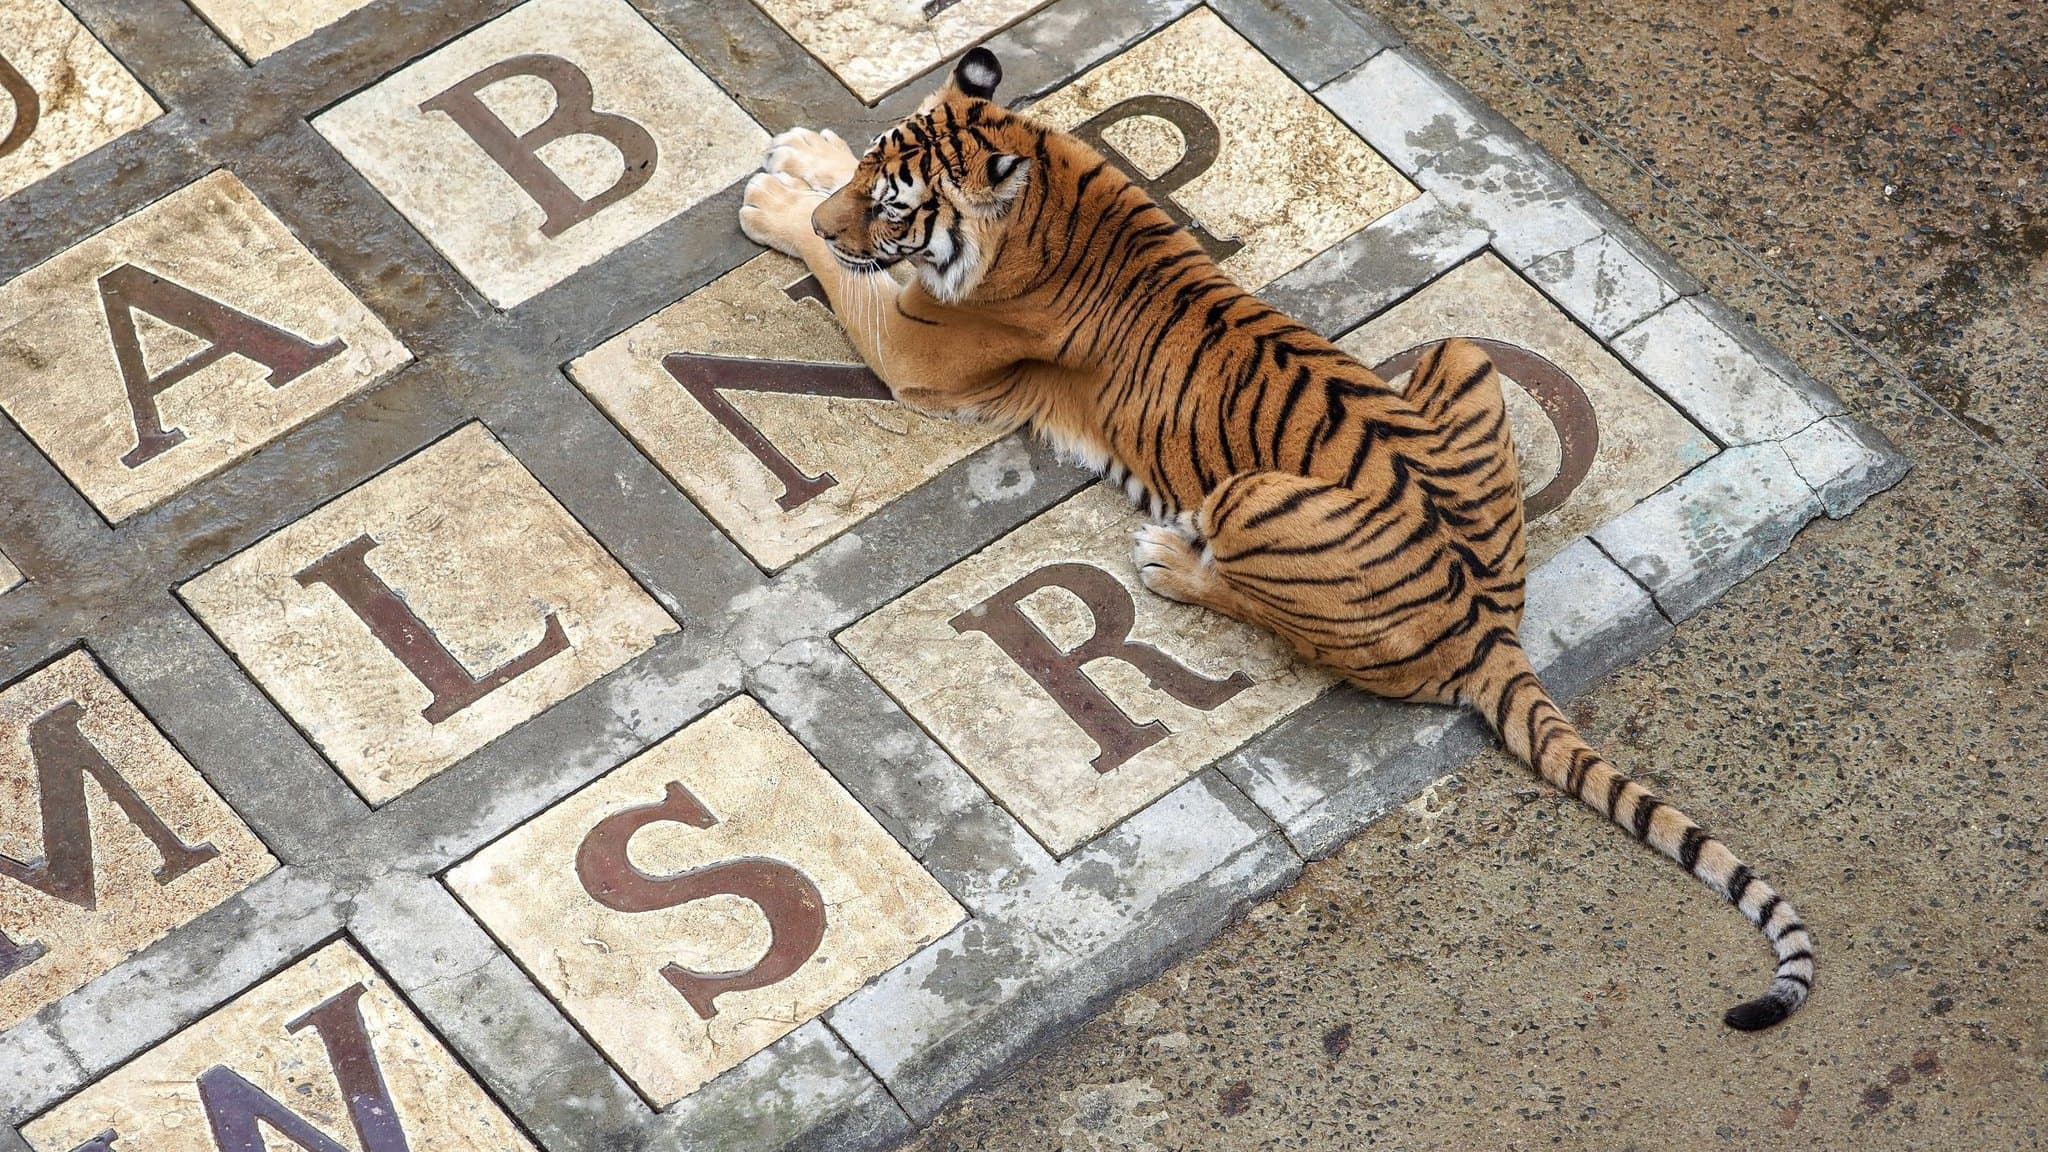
column 977, row 74
column 1007, row 175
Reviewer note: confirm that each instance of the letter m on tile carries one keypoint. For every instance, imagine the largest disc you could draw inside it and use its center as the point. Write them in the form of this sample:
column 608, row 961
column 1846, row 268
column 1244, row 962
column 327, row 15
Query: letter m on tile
column 64, row 758
column 237, row 1110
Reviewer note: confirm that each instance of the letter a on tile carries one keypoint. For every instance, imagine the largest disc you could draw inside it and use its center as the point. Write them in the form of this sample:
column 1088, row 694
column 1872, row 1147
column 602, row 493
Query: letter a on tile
column 347, row 571
column 792, row 903
column 1059, row 671
column 227, row 332
column 519, row 153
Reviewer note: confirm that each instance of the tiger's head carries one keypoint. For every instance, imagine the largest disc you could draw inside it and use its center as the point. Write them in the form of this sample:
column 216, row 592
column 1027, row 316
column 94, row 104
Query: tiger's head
column 938, row 189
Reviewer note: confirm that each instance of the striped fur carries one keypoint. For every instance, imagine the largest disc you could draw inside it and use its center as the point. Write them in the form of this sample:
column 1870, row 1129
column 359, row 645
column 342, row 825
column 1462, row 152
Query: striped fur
column 1379, row 531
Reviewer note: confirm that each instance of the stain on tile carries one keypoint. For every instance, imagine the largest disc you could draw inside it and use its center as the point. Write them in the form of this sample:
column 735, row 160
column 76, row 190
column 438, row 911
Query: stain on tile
column 62, row 94
column 747, row 394
column 402, row 630
column 1073, row 694
column 1220, row 135
column 324, row 1055
column 178, row 341
column 558, row 133
column 704, row 899
column 1591, row 437
column 259, row 28
column 876, row 46
column 91, row 875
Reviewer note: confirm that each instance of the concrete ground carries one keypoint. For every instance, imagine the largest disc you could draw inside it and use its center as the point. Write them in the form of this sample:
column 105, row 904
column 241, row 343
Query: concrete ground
column 1864, row 720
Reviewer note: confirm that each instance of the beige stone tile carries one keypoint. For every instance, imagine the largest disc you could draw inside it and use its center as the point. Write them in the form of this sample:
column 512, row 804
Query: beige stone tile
column 704, row 899
column 10, row 576
column 936, row 650
column 828, row 461
column 178, row 341
column 489, row 604
column 1287, row 178
column 91, row 874
column 326, row 1053
column 1641, row 443
column 258, row 28
column 876, row 46
column 576, row 183
column 62, row 94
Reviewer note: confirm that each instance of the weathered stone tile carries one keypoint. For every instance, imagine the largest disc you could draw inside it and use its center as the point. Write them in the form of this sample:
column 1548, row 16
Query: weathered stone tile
column 322, row 1050
column 1844, row 461
column 876, row 46
column 748, row 396
column 1602, row 283
column 1128, row 693
column 1220, row 134
column 258, row 28
column 810, row 899
column 1704, row 534
column 545, row 140
column 1592, row 438
column 10, row 576
column 178, row 341
column 403, row 630
column 1717, row 380
column 62, row 94
column 91, row 876
column 1314, row 40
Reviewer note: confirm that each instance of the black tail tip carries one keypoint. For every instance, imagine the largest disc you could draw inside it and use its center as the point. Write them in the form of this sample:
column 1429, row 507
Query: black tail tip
column 1757, row 1014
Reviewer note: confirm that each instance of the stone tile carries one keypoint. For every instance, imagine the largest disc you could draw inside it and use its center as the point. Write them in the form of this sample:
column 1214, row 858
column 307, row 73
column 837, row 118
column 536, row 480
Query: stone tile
column 1720, row 382
column 325, row 1048
column 1133, row 693
column 259, row 28
column 748, row 396
column 62, row 94
column 178, row 341
column 1602, row 283
column 1843, row 460
column 1314, row 40
column 557, row 133
column 10, row 576
column 91, row 876
column 811, row 899
column 402, row 630
column 1597, row 441
column 1286, row 178
column 877, row 46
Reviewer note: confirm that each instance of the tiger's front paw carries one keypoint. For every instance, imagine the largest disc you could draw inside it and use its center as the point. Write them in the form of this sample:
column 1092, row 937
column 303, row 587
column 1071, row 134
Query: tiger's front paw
column 777, row 211
column 819, row 159
column 1173, row 562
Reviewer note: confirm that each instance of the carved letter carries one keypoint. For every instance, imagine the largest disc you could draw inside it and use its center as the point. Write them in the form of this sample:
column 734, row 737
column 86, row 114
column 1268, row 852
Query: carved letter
column 234, row 1106
column 1563, row 401
column 14, row 957
column 794, row 907
column 1202, row 141
column 519, row 154
column 704, row 376
column 347, row 571
column 226, row 331
column 28, row 107
column 1060, row 672
column 63, row 759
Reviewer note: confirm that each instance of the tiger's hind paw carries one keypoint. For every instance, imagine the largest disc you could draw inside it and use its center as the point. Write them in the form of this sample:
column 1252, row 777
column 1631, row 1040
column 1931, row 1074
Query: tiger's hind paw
column 819, row 159
column 1173, row 562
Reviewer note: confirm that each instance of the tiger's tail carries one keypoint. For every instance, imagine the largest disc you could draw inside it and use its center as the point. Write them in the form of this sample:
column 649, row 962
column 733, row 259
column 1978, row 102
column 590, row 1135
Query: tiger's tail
column 1506, row 692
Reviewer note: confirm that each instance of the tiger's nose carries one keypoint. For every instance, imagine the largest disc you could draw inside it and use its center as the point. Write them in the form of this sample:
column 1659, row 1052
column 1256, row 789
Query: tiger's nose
column 824, row 233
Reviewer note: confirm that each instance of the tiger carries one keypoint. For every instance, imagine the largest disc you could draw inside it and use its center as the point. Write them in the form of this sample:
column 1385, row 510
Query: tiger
column 1378, row 531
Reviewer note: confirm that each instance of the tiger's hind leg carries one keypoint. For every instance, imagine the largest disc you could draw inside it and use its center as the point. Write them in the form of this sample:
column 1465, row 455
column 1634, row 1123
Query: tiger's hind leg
column 1175, row 562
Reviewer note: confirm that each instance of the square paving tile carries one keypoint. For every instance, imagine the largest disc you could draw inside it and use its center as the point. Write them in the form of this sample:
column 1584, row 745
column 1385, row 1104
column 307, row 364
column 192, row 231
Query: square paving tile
column 1592, row 438
column 1218, row 131
column 62, row 94
column 544, row 140
column 747, row 394
column 324, row 1055
column 875, row 46
column 89, row 876
column 259, row 28
column 402, row 629
column 1073, row 694
column 178, row 341
column 10, row 576
column 704, row 899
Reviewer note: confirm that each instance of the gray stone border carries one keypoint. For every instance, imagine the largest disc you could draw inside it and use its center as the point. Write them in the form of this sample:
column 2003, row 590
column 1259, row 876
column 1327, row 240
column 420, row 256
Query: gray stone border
column 1048, row 940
